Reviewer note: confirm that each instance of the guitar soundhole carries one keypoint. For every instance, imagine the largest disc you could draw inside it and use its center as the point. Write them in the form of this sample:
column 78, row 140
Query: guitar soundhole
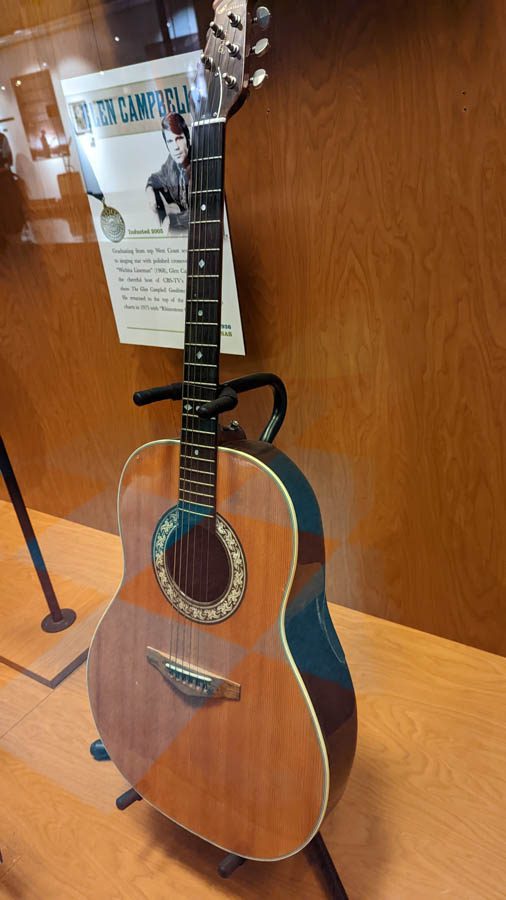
column 199, row 565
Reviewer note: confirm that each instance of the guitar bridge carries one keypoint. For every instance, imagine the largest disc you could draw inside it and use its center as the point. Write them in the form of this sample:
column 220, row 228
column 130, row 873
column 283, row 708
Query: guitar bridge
column 193, row 681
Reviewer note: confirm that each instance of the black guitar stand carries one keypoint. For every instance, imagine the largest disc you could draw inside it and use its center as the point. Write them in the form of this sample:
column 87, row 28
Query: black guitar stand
column 58, row 619
column 225, row 401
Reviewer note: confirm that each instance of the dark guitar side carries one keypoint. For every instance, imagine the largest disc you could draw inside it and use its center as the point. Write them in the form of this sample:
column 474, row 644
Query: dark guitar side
column 254, row 776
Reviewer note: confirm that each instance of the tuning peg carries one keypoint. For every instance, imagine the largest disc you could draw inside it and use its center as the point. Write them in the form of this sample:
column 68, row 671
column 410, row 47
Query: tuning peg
column 234, row 19
column 262, row 16
column 207, row 61
column 216, row 29
column 261, row 47
column 233, row 49
column 258, row 78
column 230, row 80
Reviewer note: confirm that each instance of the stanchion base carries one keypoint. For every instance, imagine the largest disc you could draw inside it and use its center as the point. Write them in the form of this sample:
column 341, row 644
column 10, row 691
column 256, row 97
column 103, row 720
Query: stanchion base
column 49, row 624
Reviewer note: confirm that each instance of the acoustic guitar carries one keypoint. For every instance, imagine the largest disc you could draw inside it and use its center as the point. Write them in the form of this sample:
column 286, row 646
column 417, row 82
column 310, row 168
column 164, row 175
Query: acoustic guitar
column 216, row 679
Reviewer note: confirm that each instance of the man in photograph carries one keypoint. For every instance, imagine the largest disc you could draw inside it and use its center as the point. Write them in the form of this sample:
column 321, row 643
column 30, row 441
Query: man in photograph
column 168, row 189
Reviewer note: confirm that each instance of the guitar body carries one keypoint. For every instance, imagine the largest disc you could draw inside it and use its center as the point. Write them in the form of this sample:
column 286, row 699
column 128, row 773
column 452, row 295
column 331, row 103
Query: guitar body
column 253, row 762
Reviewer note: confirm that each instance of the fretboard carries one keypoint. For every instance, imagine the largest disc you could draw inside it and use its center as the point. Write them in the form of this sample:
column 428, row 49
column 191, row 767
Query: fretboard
column 197, row 481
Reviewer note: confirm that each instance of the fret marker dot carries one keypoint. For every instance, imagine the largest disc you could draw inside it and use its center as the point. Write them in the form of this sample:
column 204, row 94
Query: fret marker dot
column 199, row 355
column 200, row 312
column 187, row 407
column 196, row 452
column 201, row 263
column 203, row 206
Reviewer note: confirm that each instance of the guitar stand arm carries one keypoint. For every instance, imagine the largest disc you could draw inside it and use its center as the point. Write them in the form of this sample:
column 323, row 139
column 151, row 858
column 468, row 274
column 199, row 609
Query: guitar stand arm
column 125, row 800
column 316, row 848
column 227, row 398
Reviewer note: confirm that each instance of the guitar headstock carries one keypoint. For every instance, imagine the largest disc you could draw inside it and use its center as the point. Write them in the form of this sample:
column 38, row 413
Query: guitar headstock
column 234, row 41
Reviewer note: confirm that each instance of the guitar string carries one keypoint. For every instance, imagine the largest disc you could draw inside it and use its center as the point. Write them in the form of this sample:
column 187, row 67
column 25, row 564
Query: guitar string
column 193, row 518
column 217, row 150
column 184, row 422
column 201, row 291
column 210, row 149
column 206, row 153
column 190, row 519
column 183, row 523
column 190, row 370
column 195, row 290
column 203, row 153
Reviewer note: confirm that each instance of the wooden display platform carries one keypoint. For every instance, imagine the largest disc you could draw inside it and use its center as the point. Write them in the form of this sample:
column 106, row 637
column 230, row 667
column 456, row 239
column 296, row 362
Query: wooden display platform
column 422, row 817
column 85, row 568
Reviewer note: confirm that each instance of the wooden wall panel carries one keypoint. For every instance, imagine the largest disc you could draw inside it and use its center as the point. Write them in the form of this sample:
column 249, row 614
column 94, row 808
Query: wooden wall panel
column 366, row 189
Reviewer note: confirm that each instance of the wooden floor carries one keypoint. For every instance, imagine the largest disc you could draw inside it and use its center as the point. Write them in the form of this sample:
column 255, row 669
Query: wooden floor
column 84, row 566
column 423, row 815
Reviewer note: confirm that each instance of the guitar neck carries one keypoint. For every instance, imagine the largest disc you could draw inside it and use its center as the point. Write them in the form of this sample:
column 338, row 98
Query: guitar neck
column 197, row 481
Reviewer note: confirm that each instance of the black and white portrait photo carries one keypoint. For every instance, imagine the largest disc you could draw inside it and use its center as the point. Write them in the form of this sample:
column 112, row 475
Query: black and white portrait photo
column 168, row 188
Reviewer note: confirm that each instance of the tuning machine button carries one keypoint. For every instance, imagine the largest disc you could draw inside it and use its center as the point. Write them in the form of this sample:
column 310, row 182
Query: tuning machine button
column 233, row 49
column 261, row 47
column 258, row 78
column 262, row 16
column 207, row 62
column 217, row 29
column 230, row 80
column 234, row 19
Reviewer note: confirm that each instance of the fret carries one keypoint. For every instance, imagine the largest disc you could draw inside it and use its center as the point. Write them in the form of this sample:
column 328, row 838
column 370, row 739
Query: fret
column 188, row 478
column 205, row 158
column 208, row 121
column 196, row 503
column 199, row 344
column 200, row 299
column 199, row 493
column 196, row 416
column 208, row 324
column 200, row 384
column 202, row 445
column 196, row 433
column 196, row 512
column 199, row 446
column 204, row 249
column 188, row 471
column 199, row 430
column 200, row 275
column 192, row 503
column 205, row 222
column 207, row 365
column 203, row 483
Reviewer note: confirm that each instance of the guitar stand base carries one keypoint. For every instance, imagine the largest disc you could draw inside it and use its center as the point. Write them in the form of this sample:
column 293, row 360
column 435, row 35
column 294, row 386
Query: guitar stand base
column 317, row 848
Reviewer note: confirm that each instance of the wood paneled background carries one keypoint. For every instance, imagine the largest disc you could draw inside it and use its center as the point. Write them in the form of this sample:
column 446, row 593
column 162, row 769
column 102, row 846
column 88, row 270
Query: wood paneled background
column 366, row 193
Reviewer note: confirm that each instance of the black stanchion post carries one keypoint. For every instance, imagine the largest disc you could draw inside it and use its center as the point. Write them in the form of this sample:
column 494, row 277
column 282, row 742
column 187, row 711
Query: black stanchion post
column 58, row 619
